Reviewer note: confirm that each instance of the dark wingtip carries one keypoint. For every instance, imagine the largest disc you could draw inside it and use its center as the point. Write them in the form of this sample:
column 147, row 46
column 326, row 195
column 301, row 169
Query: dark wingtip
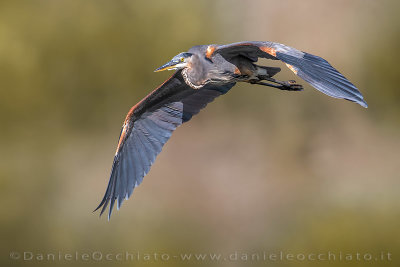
column 99, row 206
column 364, row 104
column 361, row 102
column 104, row 205
column 112, row 202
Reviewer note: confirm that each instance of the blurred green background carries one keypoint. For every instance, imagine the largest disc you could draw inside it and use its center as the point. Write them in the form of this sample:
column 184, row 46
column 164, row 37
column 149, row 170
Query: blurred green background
column 258, row 170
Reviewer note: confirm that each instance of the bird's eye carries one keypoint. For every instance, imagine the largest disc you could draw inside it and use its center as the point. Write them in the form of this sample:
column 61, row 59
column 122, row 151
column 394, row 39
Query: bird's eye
column 182, row 59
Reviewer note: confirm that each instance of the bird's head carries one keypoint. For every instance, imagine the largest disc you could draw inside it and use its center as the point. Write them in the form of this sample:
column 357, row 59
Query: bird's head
column 178, row 62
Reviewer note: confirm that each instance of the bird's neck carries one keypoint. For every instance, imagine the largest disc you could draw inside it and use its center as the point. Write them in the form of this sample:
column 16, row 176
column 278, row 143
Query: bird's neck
column 194, row 73
column 189, row 80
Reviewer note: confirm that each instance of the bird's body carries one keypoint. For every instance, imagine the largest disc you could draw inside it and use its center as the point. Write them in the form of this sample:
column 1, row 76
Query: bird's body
column 203, row 70
column 204, row 73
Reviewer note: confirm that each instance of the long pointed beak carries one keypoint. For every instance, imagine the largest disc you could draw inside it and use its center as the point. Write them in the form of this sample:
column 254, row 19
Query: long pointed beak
column 168, row 66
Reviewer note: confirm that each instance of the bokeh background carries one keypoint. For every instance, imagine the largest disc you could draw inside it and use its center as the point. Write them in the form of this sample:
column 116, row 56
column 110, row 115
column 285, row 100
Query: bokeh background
column 258, row 170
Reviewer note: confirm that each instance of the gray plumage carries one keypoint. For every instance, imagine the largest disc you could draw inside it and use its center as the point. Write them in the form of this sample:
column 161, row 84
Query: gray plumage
column 204, row 73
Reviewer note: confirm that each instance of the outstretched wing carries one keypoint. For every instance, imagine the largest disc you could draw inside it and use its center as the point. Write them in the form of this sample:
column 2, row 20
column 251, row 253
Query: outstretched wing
column 147, row 127
column 313, row 69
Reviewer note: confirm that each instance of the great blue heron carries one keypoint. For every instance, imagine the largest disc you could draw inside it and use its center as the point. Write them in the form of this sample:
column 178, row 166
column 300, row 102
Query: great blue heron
column 202, row 74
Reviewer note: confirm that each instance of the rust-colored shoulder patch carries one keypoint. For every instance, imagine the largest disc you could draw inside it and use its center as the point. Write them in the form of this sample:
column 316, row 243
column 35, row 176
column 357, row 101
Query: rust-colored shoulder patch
column 210, row 51
column 237, row 71
column 132, row 110
column 123, row 134
column 268, row 50
column 128, row 117
column 294, row 69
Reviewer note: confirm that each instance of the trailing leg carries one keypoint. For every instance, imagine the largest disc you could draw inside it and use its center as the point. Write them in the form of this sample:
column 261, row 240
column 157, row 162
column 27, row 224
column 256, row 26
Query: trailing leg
column 287, row 86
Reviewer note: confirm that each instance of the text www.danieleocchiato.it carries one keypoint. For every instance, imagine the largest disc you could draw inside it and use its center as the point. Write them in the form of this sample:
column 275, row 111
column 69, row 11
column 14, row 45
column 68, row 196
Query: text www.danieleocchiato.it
column 282, row 256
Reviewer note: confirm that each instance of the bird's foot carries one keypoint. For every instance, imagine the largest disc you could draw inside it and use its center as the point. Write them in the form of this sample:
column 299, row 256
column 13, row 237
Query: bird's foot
column 290, row 85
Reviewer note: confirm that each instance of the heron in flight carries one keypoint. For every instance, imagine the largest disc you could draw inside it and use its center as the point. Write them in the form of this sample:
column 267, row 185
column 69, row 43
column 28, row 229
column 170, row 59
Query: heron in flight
column 202, row 74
